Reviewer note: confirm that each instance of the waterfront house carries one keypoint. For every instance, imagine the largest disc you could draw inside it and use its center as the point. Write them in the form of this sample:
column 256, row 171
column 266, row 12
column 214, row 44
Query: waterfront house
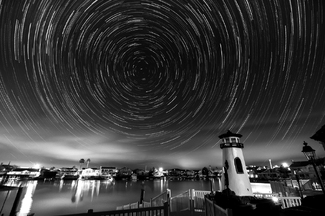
column 141, row 174
column 124, row 172
column 68, row 173
column 269, row 174
column 304, row 172
column 24, row 173
column 90, row 173
column 105, row 170
column 176, row 172
column 189, row 173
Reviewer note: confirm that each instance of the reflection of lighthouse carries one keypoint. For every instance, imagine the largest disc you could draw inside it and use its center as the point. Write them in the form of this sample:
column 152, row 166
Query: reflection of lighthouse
column 235, row 176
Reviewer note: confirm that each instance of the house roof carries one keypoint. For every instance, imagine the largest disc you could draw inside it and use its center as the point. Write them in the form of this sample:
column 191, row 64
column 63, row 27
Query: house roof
column 28, row 169
column 318, row 161
column 299, row 164
column 319, row 135
column 109, row 167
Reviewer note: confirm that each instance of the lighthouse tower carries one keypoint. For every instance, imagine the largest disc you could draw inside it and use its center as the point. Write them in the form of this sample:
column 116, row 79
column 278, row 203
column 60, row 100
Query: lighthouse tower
column 235, row 174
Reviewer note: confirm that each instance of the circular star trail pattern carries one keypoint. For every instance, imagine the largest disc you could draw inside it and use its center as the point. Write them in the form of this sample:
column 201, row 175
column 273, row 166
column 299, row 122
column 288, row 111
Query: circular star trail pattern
column 164, row 72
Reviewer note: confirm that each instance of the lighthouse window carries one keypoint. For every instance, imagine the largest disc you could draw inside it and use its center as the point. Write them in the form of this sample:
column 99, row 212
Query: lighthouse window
column 238, row 165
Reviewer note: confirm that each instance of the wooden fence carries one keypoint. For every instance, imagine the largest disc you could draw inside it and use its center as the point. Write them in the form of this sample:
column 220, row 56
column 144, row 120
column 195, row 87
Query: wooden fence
column 192, row 200
column 198, row 198
column 180, row 202
column 158, row 200
column 150, row 211
column 161, row 198
column 212, row 209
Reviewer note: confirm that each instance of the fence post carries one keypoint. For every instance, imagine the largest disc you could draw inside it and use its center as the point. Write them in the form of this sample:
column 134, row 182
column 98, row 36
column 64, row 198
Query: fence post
column 207, row 209
column 166, row 209
column 142, row 193
column 16, row 202
column 168, row 200
column 191, row 197
column 229, row 212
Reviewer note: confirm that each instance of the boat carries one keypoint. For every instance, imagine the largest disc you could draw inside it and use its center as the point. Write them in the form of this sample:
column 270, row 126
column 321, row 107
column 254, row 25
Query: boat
column 70, row 177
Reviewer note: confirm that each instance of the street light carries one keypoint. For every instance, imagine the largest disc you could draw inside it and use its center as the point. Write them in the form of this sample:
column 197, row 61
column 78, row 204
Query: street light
column 310, row 154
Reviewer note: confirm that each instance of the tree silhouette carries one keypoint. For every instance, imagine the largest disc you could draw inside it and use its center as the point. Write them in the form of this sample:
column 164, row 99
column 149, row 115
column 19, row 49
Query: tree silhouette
column 81, row 161
column 88, row 161
column 205, row 171
column 320, row 136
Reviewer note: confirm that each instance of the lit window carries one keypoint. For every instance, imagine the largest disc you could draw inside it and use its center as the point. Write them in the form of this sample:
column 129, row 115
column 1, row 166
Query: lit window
column 238, row 165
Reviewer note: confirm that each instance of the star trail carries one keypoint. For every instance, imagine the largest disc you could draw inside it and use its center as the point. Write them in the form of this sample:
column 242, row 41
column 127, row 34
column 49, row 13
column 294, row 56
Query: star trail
column 155, row 82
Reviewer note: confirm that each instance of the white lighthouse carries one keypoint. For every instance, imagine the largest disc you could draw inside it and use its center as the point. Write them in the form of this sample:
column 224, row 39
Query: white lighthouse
column 235, row 174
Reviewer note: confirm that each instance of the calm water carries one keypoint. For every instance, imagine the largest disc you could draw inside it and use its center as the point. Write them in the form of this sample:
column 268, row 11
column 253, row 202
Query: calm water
column 69, row 197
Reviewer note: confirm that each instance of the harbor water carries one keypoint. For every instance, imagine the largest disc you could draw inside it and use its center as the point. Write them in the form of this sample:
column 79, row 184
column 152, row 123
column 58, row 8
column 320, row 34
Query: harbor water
column 77, row 196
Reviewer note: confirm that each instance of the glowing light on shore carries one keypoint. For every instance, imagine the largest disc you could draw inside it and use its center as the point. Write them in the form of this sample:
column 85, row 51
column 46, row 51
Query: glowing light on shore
column 37, row 166
column 285, row 165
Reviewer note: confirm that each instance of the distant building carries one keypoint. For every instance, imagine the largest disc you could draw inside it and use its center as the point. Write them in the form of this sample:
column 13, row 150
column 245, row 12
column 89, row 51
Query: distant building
column 124, row 172
column 269, row 174
column 68, row 173
column 4, row 168
column 176, row 172
column 24, row 173
column 304, row 170
column 90, row 172
column 108, row 170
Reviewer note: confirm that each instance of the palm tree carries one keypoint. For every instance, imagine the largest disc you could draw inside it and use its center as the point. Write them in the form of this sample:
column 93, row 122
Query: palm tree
column 81, row 161
column 88, row 161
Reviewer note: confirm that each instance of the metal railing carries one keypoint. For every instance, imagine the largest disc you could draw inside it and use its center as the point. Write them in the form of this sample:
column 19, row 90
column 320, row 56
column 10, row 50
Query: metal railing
column 288, row 202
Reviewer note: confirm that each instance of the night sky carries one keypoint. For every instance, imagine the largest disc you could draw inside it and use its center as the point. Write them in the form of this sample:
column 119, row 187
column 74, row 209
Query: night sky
column 154, row 82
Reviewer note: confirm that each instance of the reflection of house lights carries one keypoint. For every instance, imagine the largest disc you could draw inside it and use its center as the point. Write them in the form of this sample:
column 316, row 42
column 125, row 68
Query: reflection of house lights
column 61, row 185
column 78, row 194
column 27, row 201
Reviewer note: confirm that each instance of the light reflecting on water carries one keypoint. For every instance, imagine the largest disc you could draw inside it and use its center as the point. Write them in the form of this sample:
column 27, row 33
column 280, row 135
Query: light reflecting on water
column 27, row 200
column 77, row 196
